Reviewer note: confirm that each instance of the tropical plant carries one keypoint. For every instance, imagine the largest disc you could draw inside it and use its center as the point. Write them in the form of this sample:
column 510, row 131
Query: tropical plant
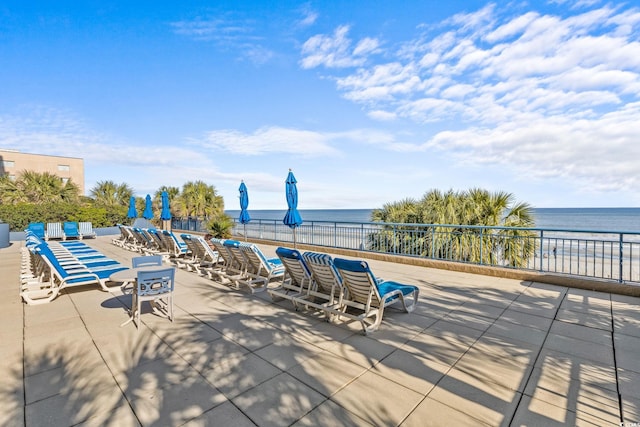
column 108, row 193
column 220, row 226
column 200, row 200
column 37, row 188
column 445, row 238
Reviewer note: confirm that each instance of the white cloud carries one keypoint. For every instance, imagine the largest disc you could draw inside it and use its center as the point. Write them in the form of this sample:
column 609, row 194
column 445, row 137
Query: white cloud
column 227, row 34
column 336, row 51
column 309, row 16
column 269, row 140
column 545, row 95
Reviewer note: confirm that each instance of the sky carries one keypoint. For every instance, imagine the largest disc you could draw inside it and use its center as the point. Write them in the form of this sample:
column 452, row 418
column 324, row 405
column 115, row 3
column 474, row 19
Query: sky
column 367, row 102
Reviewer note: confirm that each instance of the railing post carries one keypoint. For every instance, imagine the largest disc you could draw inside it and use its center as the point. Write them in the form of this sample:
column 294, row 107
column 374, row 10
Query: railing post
column 541, row 245
column 395, row 246
column 481, row 243
column 620, row 258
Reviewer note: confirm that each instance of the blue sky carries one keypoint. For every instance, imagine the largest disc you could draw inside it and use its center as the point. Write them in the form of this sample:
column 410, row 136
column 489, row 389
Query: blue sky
column 367, row 102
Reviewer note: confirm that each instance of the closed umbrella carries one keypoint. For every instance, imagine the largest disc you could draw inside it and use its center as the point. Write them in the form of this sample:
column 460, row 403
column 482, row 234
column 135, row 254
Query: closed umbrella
column 244, row 204
column 132, row 213
column 292, row 218
column 148, row 210
column 165, row 214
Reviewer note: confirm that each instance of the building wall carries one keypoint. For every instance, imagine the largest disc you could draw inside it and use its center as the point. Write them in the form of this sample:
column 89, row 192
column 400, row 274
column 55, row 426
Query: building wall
column 12, row 163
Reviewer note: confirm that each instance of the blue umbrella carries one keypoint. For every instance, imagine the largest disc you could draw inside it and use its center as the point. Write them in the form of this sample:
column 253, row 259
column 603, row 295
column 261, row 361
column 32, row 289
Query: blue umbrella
column 132, row 213
column 292, row 218
column 165, row 215
column 244, row 204
column 148, row 211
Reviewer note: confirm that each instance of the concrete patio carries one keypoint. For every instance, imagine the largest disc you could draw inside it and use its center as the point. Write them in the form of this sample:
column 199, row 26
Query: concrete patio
column 478, row 350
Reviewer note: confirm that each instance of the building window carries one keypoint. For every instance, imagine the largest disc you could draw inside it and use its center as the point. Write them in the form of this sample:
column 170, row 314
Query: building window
column 8, row 163
column 64, row 168
column 12, row 177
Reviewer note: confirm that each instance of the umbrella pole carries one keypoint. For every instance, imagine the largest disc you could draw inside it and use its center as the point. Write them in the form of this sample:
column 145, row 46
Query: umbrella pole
column 294, row 238
column 245, row 232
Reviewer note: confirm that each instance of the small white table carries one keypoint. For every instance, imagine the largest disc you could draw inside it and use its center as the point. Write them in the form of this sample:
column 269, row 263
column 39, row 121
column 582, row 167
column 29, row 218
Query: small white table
column 130, row 276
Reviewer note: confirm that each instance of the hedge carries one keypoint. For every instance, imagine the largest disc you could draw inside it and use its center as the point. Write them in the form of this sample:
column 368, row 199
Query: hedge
column 19, row 216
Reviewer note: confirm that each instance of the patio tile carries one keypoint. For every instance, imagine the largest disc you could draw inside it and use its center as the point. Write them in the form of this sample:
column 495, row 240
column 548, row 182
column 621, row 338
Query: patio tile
column 431, row 413
column 75, row 406
column 586, row 350
column 514, row 331
column 225, row 414
column 278, row 401
column 326, row 372
column 529, row 320
column 578, row 369
column 256, row 338
column 443, row 343
column 485, row 401
column 368, row 397
column 410, row 370
column 474, row 321
column 534, row 412
column 503, row 361
column 175, row 404
column 119, row 416
column 627, row 350
column 592, row 318
column 235, row 375
column 630, row 409
column 203, row 356
column 584, row 333
column 583, row 396
column 288, row 352
column 330, row 414
column 360, row 349
column 628, row 383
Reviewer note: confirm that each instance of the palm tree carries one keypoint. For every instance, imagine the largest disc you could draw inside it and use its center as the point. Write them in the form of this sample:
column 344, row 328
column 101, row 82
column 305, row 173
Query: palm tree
column 172, row 192
column 200, row 200
column 38, row 188
column 108, row 193
column 510, row 246
column 10, row 193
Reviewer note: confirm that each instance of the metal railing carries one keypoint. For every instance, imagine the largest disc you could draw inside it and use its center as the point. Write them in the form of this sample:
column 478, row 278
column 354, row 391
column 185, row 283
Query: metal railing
column 611, row 255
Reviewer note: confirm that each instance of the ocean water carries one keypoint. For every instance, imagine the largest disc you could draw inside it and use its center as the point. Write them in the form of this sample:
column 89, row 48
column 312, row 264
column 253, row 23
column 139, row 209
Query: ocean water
column 593, row 219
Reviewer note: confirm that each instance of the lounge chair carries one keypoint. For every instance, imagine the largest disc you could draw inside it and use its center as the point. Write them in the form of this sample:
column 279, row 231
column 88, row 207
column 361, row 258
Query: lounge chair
column 191, row 260
column 370, row 297
column 54, row 231
column 211, row 260
column 37, row 228
column 86, row 230
column 175, row 248
column 258, row 269
column 297, row 277
column 328, row 287
column 71, row 231
column 59, row 277
column 227, row 271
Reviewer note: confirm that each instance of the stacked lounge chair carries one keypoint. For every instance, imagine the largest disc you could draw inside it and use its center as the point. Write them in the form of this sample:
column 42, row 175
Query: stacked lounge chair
column 50, row 267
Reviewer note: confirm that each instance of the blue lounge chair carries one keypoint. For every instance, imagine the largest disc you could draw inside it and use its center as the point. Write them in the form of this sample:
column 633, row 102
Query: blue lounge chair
column 71, row 231
column 37, row 228
column 60, row 277
column 328, row 289
column 259, row 269
column 370, row 297
column 297, row 277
